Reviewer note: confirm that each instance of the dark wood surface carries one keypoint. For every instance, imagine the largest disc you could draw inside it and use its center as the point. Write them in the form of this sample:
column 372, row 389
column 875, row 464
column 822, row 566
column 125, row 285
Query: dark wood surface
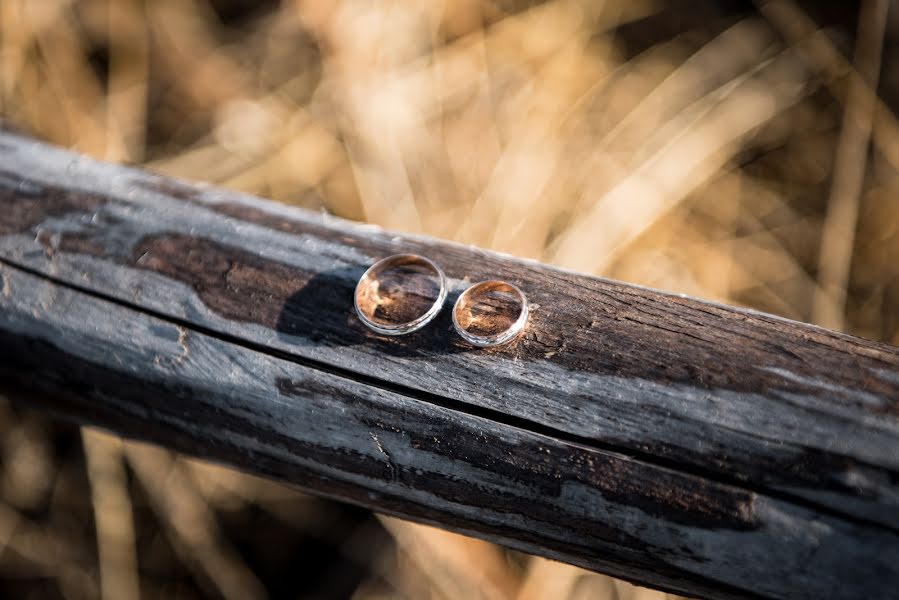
column 680, row 444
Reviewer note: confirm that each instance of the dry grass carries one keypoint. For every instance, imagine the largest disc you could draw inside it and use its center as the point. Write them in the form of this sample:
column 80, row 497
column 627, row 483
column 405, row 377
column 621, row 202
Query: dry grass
column 722, row 154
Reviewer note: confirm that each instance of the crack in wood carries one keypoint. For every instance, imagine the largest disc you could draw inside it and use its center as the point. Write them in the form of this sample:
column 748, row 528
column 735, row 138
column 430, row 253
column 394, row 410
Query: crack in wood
column 386, row 454
column 171, row 362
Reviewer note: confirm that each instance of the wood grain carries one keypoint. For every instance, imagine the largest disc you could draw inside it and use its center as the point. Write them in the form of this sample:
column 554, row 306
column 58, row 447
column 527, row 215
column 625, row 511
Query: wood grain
column 701, row 448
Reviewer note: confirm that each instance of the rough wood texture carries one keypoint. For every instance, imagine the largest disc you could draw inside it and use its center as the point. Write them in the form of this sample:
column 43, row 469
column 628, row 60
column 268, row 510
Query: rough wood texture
column 681, row 444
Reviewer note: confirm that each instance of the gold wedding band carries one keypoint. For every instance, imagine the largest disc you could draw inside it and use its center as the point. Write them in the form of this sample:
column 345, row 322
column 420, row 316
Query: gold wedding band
column 490, row 313
column 400, row 294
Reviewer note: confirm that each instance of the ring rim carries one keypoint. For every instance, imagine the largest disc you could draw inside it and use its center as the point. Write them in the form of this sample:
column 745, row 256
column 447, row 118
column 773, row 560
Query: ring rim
column 497, row 339
column 408, row 326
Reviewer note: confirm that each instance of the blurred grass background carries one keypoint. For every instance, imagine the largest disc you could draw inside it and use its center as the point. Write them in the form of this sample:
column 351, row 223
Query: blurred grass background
column 744, row 152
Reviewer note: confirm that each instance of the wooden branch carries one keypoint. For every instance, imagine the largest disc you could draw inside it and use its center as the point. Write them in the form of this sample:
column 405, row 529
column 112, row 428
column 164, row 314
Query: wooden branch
column 679, row 444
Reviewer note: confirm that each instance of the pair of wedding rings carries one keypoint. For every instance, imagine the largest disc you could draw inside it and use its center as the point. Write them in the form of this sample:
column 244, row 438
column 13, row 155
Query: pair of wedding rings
column 404, row 292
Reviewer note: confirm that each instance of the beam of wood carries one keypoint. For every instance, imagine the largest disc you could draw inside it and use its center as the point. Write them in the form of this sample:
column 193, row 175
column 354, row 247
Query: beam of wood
column 685, row 445
column 150, row 378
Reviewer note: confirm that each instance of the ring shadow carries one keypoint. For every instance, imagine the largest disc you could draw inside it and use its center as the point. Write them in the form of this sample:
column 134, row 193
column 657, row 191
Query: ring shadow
column 321, row 314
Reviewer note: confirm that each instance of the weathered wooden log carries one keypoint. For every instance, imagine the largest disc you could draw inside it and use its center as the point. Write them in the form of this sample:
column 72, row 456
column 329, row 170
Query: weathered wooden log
column 680, row 444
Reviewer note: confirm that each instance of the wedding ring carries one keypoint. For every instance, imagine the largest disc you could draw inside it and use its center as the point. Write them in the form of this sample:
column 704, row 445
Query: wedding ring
column 400, row 294
column 490, row 313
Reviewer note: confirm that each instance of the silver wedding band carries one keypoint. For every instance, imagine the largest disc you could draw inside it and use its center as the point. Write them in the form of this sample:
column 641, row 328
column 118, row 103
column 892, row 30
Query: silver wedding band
column 499, row 338
column 370, row 277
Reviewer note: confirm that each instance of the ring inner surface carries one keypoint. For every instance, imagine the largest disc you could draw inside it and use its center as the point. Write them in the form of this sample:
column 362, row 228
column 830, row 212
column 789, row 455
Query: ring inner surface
column 489, row 309
column 399, row 292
